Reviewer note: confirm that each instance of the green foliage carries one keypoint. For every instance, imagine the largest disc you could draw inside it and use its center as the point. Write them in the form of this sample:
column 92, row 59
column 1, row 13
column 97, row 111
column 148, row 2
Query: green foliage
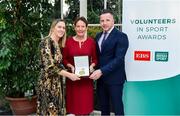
column 73, row 10
column 94, row 7
column 21, row 25
column 70, row 30
column 92, row 31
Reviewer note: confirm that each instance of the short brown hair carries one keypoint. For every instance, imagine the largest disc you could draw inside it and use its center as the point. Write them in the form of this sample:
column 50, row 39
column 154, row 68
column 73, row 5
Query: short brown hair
column 104, row 11
column 81, row 19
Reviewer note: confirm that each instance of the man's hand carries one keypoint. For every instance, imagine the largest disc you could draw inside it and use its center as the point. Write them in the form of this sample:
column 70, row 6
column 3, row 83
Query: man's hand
column 96, row 74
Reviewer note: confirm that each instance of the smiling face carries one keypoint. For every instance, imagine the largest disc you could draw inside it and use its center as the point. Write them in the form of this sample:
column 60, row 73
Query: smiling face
column 106, row 21
column 59, row 29
column 80, row 28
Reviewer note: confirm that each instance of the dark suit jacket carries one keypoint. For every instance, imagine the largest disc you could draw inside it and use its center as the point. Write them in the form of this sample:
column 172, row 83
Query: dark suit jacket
column 112, row 56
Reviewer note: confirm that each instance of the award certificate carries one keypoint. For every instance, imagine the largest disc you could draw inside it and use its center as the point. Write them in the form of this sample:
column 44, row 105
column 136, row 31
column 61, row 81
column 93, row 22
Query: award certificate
column 81, row 65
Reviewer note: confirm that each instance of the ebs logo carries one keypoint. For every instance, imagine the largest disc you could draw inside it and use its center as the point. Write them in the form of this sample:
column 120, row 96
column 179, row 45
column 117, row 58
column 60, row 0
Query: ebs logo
column 142, row 55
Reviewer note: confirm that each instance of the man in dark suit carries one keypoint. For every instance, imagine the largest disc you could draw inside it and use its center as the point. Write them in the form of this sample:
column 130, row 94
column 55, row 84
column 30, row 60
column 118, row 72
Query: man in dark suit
column 112, row 46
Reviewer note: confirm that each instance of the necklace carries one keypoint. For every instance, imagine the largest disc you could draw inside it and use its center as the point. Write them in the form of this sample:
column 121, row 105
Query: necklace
column 80, row 41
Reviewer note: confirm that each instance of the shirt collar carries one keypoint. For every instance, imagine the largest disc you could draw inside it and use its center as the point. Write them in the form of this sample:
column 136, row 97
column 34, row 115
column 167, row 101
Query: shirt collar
column 110, row 30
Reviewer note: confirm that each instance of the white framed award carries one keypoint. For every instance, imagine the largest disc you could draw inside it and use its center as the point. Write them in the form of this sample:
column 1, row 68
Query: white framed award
column 81, row 65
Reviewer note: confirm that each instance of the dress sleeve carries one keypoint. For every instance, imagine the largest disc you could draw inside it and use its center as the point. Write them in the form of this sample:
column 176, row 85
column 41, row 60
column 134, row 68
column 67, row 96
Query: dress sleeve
column 47, row 61
column 94, row 53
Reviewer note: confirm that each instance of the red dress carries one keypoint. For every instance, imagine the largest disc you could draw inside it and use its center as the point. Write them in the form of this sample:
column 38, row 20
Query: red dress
column 79, row 94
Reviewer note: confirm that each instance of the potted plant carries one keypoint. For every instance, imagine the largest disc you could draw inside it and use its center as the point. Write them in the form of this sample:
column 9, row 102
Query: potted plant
column 21, row 23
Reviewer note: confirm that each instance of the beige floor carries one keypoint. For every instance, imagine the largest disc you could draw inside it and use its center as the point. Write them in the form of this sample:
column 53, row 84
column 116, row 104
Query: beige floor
column 97, row 113
column 94, row 113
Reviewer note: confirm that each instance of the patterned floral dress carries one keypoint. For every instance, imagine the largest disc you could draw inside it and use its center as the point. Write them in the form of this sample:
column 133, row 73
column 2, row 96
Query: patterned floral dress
column 50, row 87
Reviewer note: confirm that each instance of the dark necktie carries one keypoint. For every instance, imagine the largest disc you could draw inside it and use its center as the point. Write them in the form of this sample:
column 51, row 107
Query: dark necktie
column 104, row 38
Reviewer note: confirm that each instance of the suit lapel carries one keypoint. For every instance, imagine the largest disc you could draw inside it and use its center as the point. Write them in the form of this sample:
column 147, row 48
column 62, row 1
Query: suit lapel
column 98, row 37
column 97, row 40
column 108, row 40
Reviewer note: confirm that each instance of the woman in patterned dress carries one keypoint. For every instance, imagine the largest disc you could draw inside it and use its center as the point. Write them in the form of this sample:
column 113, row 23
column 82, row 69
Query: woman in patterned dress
column 50, row 85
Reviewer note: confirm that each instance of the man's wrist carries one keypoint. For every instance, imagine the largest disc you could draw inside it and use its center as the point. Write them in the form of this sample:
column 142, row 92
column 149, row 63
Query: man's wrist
column 100, row 72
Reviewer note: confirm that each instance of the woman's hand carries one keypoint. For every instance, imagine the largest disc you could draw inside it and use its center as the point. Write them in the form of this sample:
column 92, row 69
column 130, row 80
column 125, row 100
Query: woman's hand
column 74, row 77
column 71, row 68
column 69, row 75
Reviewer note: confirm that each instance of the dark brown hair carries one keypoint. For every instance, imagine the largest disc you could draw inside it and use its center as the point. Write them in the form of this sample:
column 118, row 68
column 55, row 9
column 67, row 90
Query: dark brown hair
column 104, row 11
column 81, row 19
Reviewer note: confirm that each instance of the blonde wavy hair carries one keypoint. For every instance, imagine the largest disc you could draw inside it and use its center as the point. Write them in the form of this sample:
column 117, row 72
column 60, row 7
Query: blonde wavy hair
column 63, row 39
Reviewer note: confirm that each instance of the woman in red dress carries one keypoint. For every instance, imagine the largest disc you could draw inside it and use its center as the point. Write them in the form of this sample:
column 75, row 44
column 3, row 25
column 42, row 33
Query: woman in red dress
column 79, row 94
